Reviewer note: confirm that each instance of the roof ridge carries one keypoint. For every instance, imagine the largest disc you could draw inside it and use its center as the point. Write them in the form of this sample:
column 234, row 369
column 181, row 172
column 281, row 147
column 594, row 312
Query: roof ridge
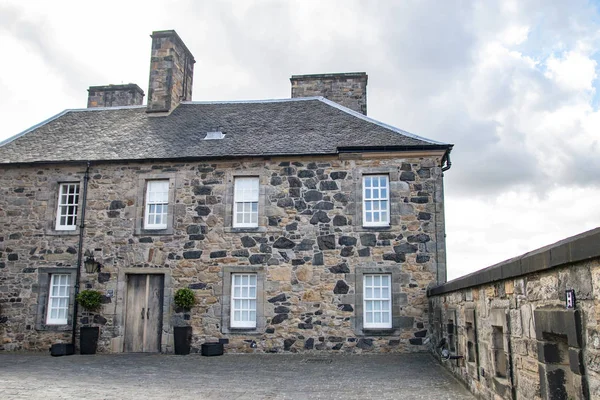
column 284, row 100
column 377, row 122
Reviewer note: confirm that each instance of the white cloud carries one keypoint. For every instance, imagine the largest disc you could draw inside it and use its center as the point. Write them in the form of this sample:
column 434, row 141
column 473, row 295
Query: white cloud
column 573, row 71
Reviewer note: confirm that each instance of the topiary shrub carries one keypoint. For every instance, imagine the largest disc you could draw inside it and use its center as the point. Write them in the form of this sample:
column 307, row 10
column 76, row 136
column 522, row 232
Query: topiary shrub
column 91, row 300
column 185, row 298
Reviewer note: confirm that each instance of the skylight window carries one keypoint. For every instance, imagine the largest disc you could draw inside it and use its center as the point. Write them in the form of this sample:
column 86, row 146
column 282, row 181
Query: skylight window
column 214, row 135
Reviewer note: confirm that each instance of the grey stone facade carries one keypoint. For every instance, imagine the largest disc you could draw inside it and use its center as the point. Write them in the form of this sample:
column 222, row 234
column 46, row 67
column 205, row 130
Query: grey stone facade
column 347, row 89
column 308, row 249
column 115, row 95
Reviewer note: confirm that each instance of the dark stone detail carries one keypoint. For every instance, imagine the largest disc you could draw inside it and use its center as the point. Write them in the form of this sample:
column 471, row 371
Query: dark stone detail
column 341, row 197
column 366, row 252
column 347, row 241
column 406, row 322
column 328, row 185
column 199, row 285
column 407, row 176
column 338, row 175
column 306, row 173
column 197, row 237
column 192, row 255
column 319, row 216
column 288, row 343
column 422, row 258
column 419, row 200
column 15, row 236
column 279, row 298
column 324, row 205
column 273, row 221
column 326, row 242
column 306, row 244
column 13, row 257
column 364, row 343
column 291, row 227
column 247, row 241
column 416, row 341
column 113, row 214
column 312, row 165
column 556, row 384
column 265, row 248
column 346, row 307
column 405, row 248
column 99, row 319
column 318, row 259
column 347, row 251
column 29, row 270
column 550, row 351
column 300, row 205
column 340, row 220
column 285, row 202
column 276, row 181
column 258, row 258
column 294, row 182
column 421, row 334
column 284, row 243
column 240, row 253
column 309, row 344
column 341, row 287
column 103, row 277
column 340, row 269
column 303, row 325
column 116, row 205
column 420, row 325
column 2, row 265
column 71, row 250
column 311, row 183
column 146, row 240
column 288, row 171
column 386, row 236
column 368, row 239
column 424, row 216
column 202, row 190
column 202, row 211
column 270, row 330
column 313, row 195
column 282, row 310
column 284, row 164
column 218, row 254
column 19, row 190
column 298, row 261
column 193, row 229
column 424, row 173
column 279, row 318
column 420, row 238
column 396, row 257
column 405, row 167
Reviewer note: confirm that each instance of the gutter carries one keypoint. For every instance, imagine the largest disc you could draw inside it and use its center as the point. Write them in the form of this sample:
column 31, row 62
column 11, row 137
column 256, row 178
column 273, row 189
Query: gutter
column 86, row 178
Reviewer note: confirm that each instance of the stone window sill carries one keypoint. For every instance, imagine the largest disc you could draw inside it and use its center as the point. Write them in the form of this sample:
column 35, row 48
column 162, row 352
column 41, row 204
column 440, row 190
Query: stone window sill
column 360, row 228
column 53, row 328
column 378, row 332
column 241, row 331
column 153, row 232
column 54, row 232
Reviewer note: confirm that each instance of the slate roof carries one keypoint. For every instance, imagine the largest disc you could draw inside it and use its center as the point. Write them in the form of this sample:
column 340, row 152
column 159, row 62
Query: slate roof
column 252, row 128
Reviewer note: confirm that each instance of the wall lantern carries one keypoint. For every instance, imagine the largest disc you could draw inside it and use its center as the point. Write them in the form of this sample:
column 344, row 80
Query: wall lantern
column 91, row 265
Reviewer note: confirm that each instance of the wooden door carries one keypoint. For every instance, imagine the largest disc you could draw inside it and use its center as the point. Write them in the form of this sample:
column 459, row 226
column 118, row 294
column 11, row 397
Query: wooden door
column 143, row 320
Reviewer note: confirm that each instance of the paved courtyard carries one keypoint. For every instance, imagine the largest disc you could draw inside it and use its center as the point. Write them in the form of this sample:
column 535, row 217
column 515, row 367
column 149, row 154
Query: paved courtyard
column 256, row 376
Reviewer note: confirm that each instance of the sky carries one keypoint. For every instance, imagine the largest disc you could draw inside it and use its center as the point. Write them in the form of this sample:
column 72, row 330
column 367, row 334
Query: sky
column 512, row 84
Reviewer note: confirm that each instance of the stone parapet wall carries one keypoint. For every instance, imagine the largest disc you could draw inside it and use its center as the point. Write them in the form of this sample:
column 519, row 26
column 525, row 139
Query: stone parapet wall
column 115, row 96
column 346, row 89
column 310, row 247
column 511, row 326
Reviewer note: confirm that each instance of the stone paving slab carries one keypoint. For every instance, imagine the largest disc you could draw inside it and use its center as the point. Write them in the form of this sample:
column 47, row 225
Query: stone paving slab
column 231, row 376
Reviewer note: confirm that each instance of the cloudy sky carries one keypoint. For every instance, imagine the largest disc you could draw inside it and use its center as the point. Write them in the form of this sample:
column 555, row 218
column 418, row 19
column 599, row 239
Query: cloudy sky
column 512, row 84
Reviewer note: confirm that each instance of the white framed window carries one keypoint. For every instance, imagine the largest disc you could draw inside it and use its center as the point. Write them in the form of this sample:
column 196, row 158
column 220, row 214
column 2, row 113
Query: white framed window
column 157, row 204
column 377, row 299
column 376, row 200
column 68, row 202
column 243, row 301
column 58, row 299
column 245, row 202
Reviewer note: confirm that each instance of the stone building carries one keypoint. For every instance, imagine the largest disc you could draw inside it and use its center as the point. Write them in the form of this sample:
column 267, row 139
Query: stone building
column 300, row 224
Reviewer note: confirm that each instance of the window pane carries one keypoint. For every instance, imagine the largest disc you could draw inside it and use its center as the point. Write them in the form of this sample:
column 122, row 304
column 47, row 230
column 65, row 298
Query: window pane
column 368, row 194
column 383, row 181
column 367, row 181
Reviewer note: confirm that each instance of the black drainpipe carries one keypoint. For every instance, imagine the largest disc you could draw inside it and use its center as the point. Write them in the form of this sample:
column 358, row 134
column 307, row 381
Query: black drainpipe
column 511, row 371
column 448, row 162
column 86, row 178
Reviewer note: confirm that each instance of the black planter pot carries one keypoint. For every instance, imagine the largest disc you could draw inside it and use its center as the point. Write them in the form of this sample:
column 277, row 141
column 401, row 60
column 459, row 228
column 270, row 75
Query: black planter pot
column 212, row 349
column 88, row 339
column 183, row 339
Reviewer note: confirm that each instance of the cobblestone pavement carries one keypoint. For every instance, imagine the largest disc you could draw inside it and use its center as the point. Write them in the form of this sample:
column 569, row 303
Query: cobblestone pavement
column 232, row 376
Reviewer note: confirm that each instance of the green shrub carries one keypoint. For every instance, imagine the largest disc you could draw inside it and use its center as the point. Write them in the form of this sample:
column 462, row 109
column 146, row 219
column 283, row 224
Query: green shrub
column 91, row 300
column 185, row 298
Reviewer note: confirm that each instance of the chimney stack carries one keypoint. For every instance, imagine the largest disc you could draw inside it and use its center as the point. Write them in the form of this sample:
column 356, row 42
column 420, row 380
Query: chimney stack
column 115, row 95
column 171, row 72
column 347, row 89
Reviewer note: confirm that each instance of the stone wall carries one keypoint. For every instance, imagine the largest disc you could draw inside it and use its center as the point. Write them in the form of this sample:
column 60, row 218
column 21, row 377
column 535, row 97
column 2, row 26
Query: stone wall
column 310, row 246
column 510, row 324
column 347, row 89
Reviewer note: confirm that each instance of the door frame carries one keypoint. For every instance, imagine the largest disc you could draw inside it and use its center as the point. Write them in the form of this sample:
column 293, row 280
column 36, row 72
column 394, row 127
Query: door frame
column 118, row 343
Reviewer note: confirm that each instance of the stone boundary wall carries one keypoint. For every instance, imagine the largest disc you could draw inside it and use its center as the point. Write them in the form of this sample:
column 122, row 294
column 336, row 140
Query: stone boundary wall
column 508, row 331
